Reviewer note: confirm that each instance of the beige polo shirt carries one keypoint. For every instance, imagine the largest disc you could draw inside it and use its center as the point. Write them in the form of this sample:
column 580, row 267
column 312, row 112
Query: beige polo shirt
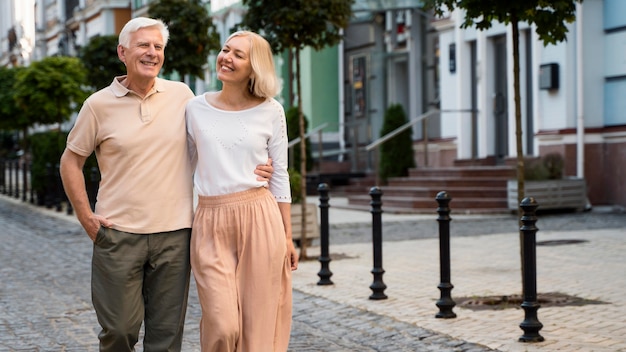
column 141, row 147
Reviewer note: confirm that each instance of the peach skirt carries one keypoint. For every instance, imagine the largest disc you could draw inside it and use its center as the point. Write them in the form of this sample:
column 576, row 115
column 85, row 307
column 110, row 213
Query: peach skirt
column 242, row 272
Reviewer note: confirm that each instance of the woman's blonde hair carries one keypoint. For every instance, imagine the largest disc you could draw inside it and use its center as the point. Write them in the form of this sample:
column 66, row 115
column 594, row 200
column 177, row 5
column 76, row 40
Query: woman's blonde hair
column 264, row 82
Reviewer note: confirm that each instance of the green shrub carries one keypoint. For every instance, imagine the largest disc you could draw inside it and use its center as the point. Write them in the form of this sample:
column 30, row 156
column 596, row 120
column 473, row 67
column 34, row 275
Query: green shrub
column 396, row 154
column 46, row 149
column 296, row 187
column 293, row 132
column 548, row 167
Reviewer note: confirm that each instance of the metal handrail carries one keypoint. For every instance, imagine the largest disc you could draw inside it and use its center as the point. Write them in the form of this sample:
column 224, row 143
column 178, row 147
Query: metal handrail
column 399, row 130
column 390, row 135
column 315, row 130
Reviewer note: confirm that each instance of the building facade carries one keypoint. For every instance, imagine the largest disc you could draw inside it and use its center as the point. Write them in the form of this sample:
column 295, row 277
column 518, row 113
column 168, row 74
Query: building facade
column 17, row 33
column 571, row 97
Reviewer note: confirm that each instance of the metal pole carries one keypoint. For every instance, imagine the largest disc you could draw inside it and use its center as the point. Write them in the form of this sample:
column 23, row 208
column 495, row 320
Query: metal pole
column 445, row 302
column 3, row 176
column 324, row 257
column 378, row 286
column 531, row 324
column 16, row 193
column 10, row 169
column 24, row 181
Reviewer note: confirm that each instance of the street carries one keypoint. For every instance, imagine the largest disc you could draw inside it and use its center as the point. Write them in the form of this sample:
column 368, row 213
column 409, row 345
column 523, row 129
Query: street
column 45, row 302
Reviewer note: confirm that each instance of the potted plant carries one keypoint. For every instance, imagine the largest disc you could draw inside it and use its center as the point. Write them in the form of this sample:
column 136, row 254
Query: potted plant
column 312, row 226
column 544, row 181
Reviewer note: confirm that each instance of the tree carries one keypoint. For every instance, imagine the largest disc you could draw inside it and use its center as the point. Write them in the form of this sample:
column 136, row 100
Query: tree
column 548, row 16
column 50, row 90
column 294, row 25
column 100, row 59
column 192, row 35
column 396, row 154
column 8, row 110
column 8, row 106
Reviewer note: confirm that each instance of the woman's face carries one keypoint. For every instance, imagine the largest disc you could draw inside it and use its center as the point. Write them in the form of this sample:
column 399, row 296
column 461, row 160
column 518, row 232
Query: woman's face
column 233, row 61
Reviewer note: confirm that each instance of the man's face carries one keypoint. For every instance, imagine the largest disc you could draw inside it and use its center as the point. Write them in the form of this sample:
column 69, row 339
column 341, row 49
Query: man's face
column 144, row 58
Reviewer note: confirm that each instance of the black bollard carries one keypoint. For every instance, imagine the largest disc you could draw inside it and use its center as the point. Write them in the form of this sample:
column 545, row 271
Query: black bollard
column 324, row 257
column 445, row 302
column 531, row 324
column 378, row 286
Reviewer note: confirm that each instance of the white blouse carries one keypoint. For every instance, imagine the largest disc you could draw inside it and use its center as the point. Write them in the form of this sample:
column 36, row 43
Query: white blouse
column 226, row 146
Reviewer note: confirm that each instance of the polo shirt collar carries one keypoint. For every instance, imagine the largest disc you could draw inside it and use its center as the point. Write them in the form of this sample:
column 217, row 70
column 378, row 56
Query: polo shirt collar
column 119, row 90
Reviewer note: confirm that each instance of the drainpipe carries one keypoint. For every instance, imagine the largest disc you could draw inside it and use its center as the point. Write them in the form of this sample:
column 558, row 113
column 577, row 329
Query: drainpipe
column 342, row 97
column 580, row 126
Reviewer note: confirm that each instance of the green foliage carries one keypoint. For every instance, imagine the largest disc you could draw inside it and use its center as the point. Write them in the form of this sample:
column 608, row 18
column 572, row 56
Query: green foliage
column 192, row 35
column 46, row 149
column 293, row 129
column 297, row 24
column 296, row 185
column 549, row 167
column 549, row 16
column 48, row 91
column 100, row 59
column 8, row 106
column 7, row 145
column 396, row 155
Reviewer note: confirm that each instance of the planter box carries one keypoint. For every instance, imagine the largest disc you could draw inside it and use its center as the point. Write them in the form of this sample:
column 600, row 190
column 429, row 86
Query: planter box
column 566, row 193
column 312, row 224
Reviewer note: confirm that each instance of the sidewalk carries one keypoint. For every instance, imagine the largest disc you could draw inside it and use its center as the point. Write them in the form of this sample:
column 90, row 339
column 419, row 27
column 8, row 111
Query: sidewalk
column 485, row 266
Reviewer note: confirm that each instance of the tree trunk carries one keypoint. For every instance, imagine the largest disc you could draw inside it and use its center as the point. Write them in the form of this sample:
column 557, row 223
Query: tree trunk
column 303, row 240
column 518, row 112
column 518, row 134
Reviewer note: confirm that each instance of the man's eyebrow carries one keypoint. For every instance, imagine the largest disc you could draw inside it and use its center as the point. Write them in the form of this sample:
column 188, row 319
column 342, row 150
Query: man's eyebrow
column 140, row 42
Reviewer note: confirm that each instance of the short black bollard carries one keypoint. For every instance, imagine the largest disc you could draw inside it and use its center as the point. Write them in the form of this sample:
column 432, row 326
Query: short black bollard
column 324, row 257
column 531, row 324
column 378, row 286
column 445, row 302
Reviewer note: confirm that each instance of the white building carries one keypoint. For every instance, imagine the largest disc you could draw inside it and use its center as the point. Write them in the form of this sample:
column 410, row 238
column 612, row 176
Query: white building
column 572, row 96
column 17, row 32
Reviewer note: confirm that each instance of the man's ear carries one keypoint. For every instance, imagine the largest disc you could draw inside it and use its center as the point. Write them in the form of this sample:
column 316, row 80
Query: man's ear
column 121, row 54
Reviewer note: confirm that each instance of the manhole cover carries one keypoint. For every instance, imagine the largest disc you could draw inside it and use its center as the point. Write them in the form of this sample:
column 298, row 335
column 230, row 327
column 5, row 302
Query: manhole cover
column 550, row 299
column 559, row 242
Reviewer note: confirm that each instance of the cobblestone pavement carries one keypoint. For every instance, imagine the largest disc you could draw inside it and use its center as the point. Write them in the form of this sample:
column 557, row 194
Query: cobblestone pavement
column 45, row 302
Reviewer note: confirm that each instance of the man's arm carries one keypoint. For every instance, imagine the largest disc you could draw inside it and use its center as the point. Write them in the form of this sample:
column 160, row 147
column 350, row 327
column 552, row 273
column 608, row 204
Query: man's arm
column 264, row 172
column 71, row 169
